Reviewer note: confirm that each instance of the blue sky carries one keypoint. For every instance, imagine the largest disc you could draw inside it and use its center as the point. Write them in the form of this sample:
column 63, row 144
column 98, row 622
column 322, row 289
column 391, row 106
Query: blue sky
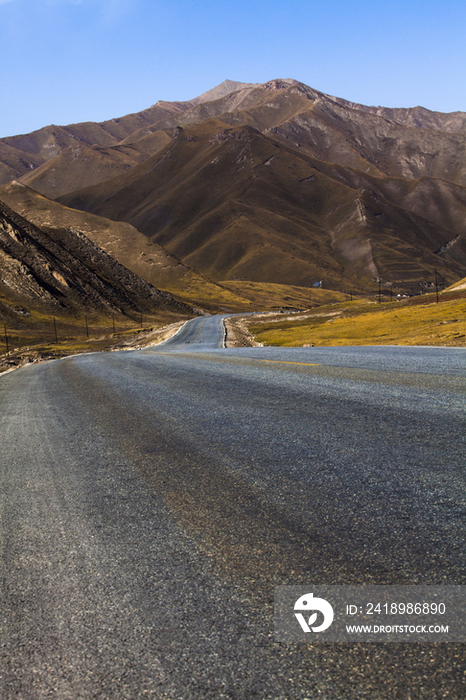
column 65, row 61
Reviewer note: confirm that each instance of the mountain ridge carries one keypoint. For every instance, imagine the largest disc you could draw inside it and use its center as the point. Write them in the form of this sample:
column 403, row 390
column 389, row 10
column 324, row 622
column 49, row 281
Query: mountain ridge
column 270, row 182
column 32, row 150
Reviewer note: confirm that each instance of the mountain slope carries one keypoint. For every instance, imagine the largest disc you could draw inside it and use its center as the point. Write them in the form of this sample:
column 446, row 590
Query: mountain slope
column 64, row 270
column 126, row 245
column 238, row 204
column 21, row 154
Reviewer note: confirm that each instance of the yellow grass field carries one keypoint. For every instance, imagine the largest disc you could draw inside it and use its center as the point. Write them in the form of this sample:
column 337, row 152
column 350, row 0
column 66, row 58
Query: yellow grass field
column 368, row 323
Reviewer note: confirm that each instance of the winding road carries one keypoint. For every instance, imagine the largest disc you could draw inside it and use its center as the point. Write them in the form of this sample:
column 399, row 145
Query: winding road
column 152, row 499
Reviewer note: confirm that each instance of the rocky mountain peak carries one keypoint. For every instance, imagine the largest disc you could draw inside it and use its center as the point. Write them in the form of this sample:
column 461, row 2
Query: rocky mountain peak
column 225, row 88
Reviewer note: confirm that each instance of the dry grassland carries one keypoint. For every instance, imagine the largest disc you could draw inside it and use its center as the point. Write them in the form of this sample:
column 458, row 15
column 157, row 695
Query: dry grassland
column 368, row 323
column 39, row 345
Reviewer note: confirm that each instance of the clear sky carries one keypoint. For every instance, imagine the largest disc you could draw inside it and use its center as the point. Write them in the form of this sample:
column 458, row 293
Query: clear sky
column 65, row 61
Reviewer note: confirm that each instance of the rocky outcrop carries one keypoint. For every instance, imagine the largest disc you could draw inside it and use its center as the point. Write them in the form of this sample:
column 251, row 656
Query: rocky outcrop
column 68, row 270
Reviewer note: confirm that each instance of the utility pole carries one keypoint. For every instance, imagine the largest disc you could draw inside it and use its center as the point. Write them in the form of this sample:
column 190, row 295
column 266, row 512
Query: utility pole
column 55, row 329
column 113, row 321
column 6, row 341
column 87, row 328
column 436, row 285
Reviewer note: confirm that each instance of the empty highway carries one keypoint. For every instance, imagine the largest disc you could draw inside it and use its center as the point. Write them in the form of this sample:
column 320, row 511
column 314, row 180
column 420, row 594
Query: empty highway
column 152, row 499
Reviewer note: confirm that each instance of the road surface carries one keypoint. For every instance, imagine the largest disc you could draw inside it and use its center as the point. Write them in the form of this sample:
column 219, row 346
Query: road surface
column 203, row 333
column 151, row 500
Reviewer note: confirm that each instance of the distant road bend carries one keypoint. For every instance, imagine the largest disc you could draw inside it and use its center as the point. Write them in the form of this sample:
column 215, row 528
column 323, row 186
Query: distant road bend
column 203, row 333
column 151, row 500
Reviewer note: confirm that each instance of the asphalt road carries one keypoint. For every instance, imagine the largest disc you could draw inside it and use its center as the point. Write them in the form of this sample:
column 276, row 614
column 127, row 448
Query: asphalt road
column 151, row 500
column 203, row 333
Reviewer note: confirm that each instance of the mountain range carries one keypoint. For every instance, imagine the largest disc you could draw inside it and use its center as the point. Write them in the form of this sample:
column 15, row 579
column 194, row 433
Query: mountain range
column 252, row 185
